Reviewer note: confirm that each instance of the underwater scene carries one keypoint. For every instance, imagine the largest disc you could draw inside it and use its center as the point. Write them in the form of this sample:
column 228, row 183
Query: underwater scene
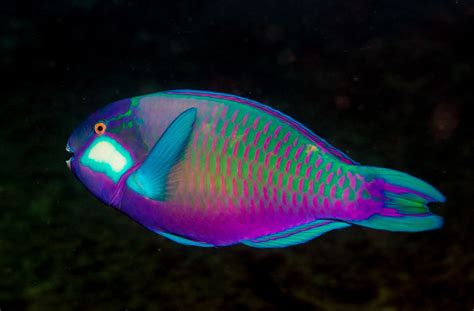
column 236, row 155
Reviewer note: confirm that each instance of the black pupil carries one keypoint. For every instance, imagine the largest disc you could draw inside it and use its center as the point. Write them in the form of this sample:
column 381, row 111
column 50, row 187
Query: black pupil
column 100, row 128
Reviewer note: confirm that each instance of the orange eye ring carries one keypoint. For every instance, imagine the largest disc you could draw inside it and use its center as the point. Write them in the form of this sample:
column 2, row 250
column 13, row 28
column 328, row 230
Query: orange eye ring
column 99, row 128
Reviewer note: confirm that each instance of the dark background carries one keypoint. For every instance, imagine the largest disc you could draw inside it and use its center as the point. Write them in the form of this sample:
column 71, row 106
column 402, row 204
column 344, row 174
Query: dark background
column 388, row 82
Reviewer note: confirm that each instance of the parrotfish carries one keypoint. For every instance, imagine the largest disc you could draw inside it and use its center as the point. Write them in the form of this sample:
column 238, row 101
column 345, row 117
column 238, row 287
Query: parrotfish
column 211, row 169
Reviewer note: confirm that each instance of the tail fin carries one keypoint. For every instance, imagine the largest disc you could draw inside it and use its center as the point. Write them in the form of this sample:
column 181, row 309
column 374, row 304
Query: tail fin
column 405, row 200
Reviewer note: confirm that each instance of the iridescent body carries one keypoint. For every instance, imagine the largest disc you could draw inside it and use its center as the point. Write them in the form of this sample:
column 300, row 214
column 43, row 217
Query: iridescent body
column 210, row 169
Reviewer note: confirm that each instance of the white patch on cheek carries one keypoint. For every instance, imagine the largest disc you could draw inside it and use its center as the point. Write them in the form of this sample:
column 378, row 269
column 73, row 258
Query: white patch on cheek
column 107, row 156
column 105, row 152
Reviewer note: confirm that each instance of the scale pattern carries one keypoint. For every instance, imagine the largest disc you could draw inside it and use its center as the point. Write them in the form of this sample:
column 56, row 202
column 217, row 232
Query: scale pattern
column 245, row 164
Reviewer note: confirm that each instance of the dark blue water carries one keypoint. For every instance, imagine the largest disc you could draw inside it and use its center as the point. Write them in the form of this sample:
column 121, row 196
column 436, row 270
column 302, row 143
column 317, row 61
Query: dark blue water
column 388, row 83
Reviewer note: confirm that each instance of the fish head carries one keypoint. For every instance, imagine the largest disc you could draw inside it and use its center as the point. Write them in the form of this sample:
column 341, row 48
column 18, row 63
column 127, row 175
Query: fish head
column 105, row 147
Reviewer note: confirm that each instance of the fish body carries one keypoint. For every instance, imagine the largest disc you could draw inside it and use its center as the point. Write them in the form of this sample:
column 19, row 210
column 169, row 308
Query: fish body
column 212, row 169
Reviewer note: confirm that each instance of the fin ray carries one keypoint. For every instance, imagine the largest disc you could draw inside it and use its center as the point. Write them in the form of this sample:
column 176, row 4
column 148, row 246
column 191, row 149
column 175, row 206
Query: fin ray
column 403, row 223
column 182, row 240
column 150, row 179
column 296, row 235
column 405, row 200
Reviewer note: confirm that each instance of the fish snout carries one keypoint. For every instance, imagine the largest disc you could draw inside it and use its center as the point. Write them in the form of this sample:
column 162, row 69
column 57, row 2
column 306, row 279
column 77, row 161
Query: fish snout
column 71, row 152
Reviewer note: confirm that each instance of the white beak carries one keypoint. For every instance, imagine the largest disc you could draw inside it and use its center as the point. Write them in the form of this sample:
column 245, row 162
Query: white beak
column 68, row 163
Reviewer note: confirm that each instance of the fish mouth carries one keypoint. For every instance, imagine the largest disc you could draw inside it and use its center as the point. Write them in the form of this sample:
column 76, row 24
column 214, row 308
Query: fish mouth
column 71, row 152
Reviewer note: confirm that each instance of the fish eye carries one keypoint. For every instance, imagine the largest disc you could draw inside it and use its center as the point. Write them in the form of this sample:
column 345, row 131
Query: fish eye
column 99, row 128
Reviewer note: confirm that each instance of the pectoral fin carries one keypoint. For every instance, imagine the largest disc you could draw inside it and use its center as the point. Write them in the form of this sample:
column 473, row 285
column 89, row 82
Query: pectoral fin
column 151, row 178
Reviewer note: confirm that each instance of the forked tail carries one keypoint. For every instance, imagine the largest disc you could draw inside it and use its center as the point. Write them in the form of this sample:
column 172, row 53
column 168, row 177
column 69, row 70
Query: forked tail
column 404, row 200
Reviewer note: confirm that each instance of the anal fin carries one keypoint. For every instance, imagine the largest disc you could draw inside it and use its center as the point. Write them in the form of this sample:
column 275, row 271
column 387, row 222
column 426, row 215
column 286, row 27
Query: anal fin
column 296, row 235
column 184, row 241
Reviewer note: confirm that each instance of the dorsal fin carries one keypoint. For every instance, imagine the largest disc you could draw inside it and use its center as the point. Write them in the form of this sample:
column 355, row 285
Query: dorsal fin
column 320, row 142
